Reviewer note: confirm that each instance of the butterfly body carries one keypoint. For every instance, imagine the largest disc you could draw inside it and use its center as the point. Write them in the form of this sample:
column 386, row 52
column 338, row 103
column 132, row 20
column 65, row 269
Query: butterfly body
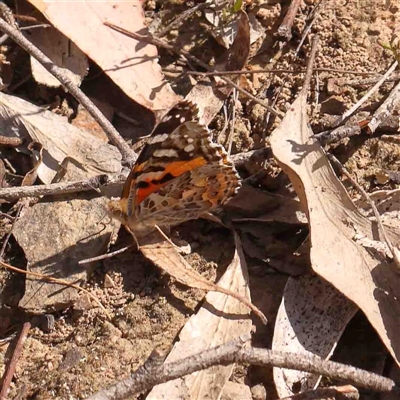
column 179, row 175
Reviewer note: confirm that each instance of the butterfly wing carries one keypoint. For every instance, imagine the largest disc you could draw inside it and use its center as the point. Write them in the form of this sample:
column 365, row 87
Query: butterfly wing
column 203, row 182
column 179, row 175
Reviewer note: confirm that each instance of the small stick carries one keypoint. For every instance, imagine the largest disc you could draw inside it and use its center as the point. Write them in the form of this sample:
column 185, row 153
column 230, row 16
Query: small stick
column 381, row 229
column 63, row 282
column 310, row 64
column 105, row 256
column 385, row 109
column 285, row 30
column 184, row 16
column 9, row 373
column 161, row 43
column 337, row 134
column 153, row 372
column 129, row 157
column 374, row 88
column 15, row 193
column 276, row 71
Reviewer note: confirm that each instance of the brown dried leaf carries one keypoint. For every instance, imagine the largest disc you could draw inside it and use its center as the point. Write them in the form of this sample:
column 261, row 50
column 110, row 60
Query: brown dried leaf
column 164, row 254
column 130, row 64
column 222, row 318
column 59, row 138
column 364, row 277
column 64, row 53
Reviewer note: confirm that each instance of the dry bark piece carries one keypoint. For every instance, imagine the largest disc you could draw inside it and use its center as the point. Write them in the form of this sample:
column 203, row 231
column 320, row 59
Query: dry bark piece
column 306, row 325
column 364, row 277
column 59, row 139
column 131, row 65
column 220, row 319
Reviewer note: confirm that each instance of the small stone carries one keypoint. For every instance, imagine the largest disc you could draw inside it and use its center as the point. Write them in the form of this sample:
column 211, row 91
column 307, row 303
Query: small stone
column 258, row 392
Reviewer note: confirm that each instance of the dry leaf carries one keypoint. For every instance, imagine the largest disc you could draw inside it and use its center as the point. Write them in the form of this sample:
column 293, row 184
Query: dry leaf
column 64, row 53
column 387, row 203
column 133, row 66
column 206, row 94
column 220, row 319
column 364, row 277
column 164, row 254
column 59, row 139
column 311, row 319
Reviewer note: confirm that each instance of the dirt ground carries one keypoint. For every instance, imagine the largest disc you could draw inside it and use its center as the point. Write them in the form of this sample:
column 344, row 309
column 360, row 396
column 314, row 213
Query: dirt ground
column 84, row 352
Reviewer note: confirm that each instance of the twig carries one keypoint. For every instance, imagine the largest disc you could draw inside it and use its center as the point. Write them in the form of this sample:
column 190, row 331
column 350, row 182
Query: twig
column 45, row 278
column 381, row 229
column 235, row 96
column 128, row 155
column 309, row 26
column 310, row 63
column 153, row 373
column 105, row 256
column 15, row 193
column 161, row 43
column 182, row 17
column 337, row 134
column 9, row 373
column 285, row 30
column 385, row 109
column 277, row 71
column 374, row 88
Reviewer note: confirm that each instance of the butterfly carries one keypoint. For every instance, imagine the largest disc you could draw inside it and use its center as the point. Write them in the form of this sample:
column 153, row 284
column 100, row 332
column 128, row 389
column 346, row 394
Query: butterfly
column 179, row 175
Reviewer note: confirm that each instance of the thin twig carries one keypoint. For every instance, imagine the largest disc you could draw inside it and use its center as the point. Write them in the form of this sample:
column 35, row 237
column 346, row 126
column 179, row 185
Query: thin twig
column 15, row 193
column 182, row 17
column 128, row 155
column 310, row 63
column 385, row 109
column 374, row 88
column 337, row 134
column 276, row 71
column 9, row 373
column 105, row 256
column 154, row 372
column 181, row 52
column 381, row 229
column 285, row 30
column 45, row 278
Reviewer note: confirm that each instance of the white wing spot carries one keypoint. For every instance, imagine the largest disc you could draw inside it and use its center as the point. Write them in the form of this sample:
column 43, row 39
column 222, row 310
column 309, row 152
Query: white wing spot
column 189, row 148
column 189, row 140
column 166, row 153
column 157, row 138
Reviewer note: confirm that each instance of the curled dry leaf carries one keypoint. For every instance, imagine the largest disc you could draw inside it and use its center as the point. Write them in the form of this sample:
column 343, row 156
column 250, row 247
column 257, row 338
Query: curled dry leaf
column 164, row 254
column 206, row 94
column 364, row 277
column 58, row 138
column 220, row 319
column 305, row 325
column 130, row 64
